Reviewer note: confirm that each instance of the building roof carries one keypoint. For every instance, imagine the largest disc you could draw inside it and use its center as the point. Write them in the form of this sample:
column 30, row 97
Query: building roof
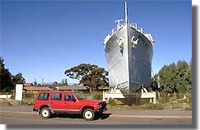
column 74, row 87
column 28, row 84
column 37, row 89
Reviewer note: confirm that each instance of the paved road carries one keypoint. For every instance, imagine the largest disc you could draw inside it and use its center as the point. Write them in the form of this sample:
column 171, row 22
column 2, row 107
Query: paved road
column 25, row 115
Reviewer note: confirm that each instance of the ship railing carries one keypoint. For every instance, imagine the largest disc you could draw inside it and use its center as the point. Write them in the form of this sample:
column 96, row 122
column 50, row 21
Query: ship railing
column 116, row 28
column 140, row 29
column 135, row 26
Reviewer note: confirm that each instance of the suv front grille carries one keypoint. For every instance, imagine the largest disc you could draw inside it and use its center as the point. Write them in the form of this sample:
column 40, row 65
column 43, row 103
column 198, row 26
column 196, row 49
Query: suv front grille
column 103, row 105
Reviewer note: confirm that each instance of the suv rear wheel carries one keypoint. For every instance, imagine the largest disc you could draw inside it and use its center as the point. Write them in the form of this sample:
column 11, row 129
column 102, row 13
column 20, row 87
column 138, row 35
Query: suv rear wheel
column 88, row 114
column 45, row 112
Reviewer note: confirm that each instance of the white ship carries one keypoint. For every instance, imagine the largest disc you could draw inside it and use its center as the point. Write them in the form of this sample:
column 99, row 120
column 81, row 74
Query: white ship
column 128, row 51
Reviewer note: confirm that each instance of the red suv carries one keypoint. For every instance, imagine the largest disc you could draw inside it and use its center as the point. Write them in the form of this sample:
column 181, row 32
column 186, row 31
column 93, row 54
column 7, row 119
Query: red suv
column 69, row 102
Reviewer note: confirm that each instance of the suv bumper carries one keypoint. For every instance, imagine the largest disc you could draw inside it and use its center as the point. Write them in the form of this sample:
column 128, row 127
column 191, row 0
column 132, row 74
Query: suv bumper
column 105, row 109
column 102, row 110
column 35, row 109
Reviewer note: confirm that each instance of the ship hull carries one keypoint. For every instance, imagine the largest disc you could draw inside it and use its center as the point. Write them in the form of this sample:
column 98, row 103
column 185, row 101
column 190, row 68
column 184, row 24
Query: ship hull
column 129, row 54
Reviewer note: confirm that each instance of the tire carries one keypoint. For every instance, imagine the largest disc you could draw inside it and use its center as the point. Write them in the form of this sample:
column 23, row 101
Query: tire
column 88, row 114
column 45, row 112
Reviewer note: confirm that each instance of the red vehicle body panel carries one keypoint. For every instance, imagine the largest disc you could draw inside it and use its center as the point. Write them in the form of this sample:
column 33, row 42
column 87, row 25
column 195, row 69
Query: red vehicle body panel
column 57, row 102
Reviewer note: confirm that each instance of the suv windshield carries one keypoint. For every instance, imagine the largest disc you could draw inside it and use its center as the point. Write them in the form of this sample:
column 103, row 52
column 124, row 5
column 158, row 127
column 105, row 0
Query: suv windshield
column 79, row 95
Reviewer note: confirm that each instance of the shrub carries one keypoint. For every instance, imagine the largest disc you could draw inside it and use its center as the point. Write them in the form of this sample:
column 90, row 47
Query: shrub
column 98, row 96
column 5, row 102
column 27, row 102
column 29, row 95
column 112, row 102
column 144, row 101
column 164, row 97
column 150, row 106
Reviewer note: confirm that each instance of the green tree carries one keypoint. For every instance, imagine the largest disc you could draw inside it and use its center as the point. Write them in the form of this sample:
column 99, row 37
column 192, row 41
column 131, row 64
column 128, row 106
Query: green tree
column 176, row 77
column 18, row 79
column 5, row 77
column 89, row 75
column 7, row 80
column 186, row 76
column 182, row 68
column 168, row 78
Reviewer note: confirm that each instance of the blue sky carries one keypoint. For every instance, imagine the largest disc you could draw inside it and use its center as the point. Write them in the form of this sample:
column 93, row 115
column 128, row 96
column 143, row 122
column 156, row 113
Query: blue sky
column 41, row 39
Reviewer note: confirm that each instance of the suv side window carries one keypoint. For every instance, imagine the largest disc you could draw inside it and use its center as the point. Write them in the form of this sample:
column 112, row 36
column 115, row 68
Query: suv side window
column 56, row 96
column 43, row 96
column 69, row 97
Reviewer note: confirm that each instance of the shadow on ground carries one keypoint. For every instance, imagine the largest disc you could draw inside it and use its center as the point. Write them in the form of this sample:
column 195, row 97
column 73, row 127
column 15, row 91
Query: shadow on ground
column 78, row 116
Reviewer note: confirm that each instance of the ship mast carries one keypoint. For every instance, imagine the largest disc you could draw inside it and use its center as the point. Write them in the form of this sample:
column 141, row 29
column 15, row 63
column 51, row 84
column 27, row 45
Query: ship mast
column 126, row 13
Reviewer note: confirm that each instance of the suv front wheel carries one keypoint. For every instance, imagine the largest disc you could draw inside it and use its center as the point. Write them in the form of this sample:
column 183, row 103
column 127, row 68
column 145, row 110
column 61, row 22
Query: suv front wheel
column 88, row 114
column 45, row 112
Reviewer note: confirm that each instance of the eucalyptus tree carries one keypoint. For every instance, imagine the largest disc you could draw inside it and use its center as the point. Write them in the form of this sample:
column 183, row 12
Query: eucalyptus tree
column 89, row 75
column 176, row 77
column 5, row 77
